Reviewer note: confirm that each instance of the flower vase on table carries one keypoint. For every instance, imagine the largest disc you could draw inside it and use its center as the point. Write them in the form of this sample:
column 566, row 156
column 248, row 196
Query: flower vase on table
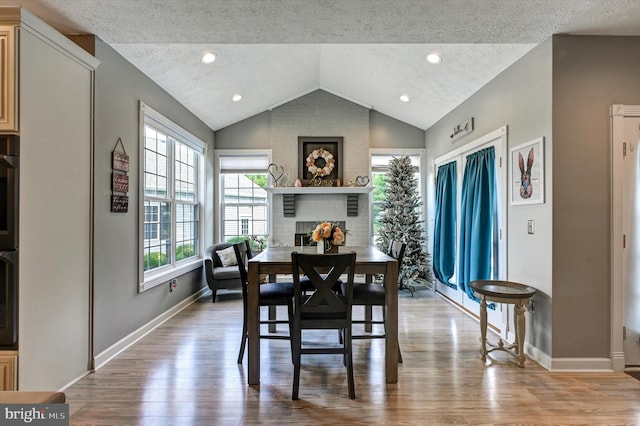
column 328, row 237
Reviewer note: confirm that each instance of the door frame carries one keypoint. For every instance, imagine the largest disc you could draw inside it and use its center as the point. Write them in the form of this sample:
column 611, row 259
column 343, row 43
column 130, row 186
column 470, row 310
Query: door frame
column 618, row 113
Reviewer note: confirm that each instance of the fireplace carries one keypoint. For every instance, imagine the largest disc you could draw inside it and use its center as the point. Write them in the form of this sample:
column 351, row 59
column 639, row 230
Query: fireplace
column 316, row 205
column 301, row 236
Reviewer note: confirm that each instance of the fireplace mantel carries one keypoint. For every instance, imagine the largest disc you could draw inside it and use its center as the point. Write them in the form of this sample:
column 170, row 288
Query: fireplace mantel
column 327, row 190
column 289, row 196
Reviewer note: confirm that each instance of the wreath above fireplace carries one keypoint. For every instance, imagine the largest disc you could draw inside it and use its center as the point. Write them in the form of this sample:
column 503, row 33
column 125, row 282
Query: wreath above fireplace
column 319, row 157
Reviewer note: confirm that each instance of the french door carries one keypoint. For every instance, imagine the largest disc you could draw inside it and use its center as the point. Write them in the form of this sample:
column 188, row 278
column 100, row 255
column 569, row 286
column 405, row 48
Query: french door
column 491, row 147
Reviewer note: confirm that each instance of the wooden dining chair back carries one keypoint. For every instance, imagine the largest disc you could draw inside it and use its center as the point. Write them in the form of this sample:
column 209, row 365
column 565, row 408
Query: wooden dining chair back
column 322, row 308
column 371, row 294
column 271, row 294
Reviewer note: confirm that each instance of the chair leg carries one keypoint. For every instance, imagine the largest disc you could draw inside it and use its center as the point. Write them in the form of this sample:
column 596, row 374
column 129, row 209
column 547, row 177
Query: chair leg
column 290, row 313
column 213, row 296
column 368, row 317
column 349, row 359
column 297, row 341
column 245, row 336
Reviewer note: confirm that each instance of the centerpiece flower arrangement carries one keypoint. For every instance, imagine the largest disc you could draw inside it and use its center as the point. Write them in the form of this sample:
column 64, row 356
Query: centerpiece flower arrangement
column 328, row 234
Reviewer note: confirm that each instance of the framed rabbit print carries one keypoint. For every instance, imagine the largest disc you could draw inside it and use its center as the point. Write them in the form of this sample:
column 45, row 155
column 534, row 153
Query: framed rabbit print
column 527, row 172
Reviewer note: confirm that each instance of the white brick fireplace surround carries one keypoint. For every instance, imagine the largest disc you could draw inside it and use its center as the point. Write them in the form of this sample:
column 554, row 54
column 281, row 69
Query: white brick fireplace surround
column 328, row 205
column 321, row 114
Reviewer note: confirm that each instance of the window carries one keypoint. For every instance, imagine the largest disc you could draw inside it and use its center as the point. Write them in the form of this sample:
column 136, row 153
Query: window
column 151, row 221
column 172, row 197
column 244, row 211
column 379, row 166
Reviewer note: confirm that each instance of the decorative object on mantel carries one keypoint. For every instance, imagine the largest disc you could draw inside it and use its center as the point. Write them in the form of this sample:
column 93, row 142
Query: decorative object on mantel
column 362, row 180
column 328, row 236
column 400, row 221
column 462, row 129
column 276, row 172
column 350, row 183
column 318, row 181
column 119, row 179
column 298, row 183
column 319, row 160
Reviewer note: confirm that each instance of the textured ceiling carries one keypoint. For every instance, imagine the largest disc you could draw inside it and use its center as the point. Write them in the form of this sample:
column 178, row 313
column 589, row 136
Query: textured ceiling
column 368, row 51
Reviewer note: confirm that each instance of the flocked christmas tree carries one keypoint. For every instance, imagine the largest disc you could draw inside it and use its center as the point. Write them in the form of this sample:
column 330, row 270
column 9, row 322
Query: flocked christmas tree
column 400, row 220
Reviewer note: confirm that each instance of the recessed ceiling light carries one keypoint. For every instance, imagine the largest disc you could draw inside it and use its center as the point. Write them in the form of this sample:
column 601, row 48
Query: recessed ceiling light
column 236, row 98
column 434, row 58
column 404, row 98
column 208, row 57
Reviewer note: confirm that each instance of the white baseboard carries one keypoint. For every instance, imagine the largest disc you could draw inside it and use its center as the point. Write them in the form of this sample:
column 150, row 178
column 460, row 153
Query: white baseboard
column 584, row 365
column 114, row 350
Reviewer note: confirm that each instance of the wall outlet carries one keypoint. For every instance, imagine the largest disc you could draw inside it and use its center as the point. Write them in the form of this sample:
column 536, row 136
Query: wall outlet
column 173, row 284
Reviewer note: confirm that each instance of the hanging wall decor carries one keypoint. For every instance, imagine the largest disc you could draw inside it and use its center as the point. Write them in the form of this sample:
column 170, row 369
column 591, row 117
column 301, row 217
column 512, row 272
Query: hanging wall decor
column 319, row 160
column 119, row 179
column 527, row 172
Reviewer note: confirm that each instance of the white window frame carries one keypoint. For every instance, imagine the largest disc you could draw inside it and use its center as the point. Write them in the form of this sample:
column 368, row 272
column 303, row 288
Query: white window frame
column 398, row 152
column 219, row 219
column 159, row 276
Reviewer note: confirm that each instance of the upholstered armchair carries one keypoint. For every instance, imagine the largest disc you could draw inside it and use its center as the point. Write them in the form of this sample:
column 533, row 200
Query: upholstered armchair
column 219, row 276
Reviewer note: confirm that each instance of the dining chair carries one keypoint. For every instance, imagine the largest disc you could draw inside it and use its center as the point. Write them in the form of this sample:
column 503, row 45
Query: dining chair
column 323, row 309
column 372, row 294
column 271, row 294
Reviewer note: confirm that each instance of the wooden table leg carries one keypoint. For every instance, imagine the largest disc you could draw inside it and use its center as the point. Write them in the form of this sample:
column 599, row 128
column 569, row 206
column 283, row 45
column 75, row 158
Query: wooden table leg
column 483, row 328
column 520, row 330
column 391, row 341
column 253, row 324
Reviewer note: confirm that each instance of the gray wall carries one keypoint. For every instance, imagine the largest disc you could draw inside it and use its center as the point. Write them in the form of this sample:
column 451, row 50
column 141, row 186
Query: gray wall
column 589, row 74
column 320, row 113
column 118, row 307
column 255, row 132
column 519, row 97
column 561, row 90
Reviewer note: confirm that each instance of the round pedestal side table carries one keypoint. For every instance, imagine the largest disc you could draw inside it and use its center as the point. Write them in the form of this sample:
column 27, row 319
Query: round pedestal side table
column 504, row 292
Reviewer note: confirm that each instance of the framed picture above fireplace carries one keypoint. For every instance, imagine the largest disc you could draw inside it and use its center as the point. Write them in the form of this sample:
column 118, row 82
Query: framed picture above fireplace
column 321, row 155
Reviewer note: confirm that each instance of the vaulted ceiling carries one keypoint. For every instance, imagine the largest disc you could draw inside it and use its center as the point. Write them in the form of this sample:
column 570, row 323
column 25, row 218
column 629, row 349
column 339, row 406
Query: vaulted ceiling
column 367, row 51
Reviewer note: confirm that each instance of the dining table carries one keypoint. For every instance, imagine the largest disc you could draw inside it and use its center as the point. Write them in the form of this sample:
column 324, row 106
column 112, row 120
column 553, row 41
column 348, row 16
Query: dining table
column 277, row 261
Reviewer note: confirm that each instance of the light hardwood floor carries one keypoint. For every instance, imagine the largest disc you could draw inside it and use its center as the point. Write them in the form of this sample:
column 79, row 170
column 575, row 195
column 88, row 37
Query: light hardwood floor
column 185, row 373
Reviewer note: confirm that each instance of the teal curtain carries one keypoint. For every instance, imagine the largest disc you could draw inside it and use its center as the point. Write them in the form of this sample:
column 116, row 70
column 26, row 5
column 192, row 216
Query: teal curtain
column 478, row 208
column 444, row 232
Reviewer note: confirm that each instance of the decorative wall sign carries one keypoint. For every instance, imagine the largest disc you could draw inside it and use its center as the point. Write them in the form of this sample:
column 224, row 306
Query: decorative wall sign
column 120, row 182
column 462, row 129
column 120, row 159
column 119, row 203
column 119, row 179
column 319, row 158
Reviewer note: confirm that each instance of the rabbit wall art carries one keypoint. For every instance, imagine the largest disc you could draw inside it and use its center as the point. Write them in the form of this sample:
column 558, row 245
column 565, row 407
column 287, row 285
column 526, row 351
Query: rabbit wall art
column 526, row 187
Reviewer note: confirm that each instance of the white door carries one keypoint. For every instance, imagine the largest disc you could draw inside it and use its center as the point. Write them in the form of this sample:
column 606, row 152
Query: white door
column 631, row 230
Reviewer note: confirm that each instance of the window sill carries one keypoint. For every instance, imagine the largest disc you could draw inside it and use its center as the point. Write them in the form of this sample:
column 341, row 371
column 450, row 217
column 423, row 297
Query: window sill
column 155, row 279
